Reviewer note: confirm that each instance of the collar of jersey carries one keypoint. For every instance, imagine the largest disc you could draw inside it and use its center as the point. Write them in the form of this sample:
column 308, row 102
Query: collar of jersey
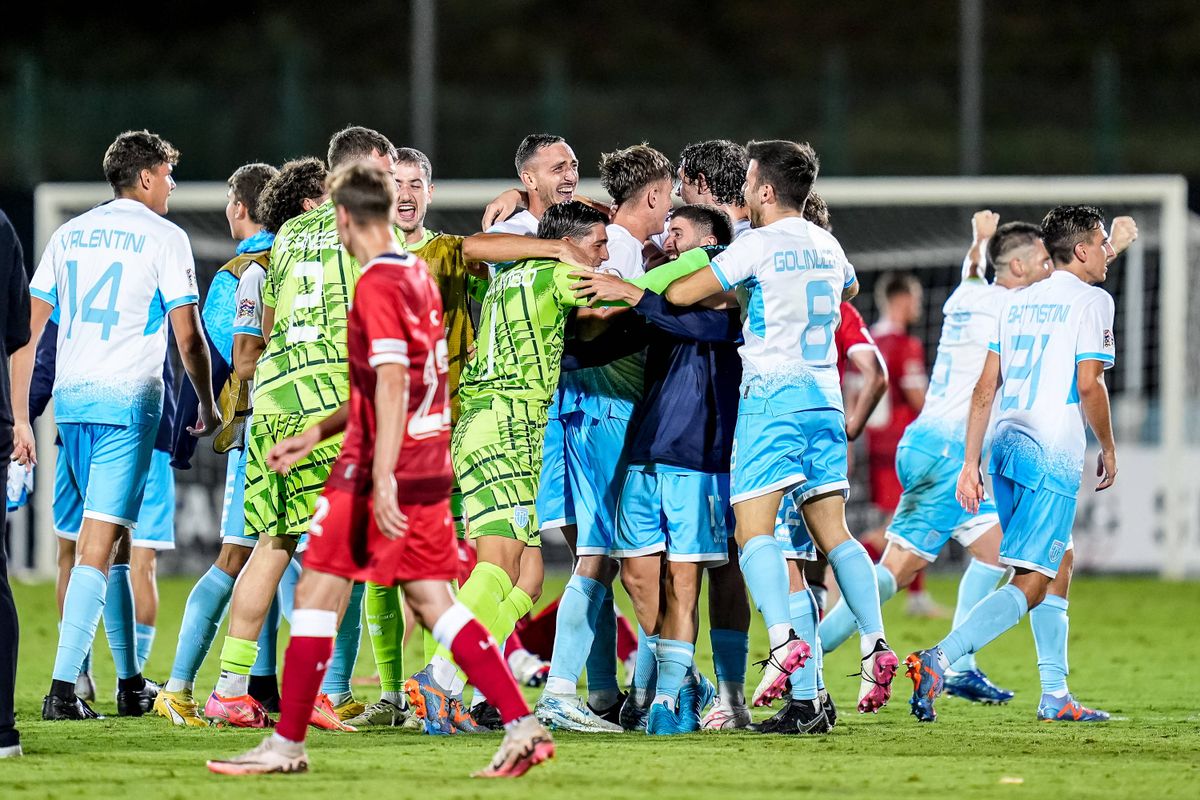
column 426, row 239
column 402, row 258
column 256, row 243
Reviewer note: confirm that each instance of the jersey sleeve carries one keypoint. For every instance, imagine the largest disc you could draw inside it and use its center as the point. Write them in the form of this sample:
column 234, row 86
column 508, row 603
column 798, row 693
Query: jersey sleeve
column 1096, row 341
column 736, row 263
column 248, row 299
column 912, row 364
column 562, row 286
column 849, row 276
column 177, row 273
column 852, row 334
column 391, row 323
column 44, row 285
column 270, row 286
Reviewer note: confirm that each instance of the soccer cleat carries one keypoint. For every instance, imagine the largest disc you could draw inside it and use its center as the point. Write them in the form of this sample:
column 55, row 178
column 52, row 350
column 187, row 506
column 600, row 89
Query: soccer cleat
column 487, row 716
column 828, row 706
column 136, row 702
column 973, row 685
column 878, row 669
column 525, row 746
column 462, row 719
column 85, row 687
column 928, row 678
column 1068, row 709
column 348, row 709
column 528, row 669
column 55, row 708
column 381, row 714
column 725, row 717
column 663, row 721
column 268, row 757
column 570, row 713
column 632, row 716
column 236, row 712
column 12, row 751
column 612, row 713
column 325, row 716
column 798, row 716
column 693, row 699
column 429, row 703
column 778, row 666
column 179, row 707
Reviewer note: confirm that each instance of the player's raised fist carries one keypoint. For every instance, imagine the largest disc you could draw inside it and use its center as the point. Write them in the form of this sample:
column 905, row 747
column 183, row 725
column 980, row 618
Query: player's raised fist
column 984, row 224
column 1123, row 233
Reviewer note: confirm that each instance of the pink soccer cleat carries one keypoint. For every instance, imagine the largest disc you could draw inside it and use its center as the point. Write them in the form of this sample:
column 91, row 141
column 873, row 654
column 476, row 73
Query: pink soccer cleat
column 878, row 669
column 525, row 746
column 778, row 667
column 236, row 712
column 325, row 717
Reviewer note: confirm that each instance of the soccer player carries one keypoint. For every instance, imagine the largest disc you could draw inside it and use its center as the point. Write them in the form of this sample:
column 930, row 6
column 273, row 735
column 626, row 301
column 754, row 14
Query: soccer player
column 209, row 598
column 597, row 432
column 301, row 377
column 1052, row 342
column 791, row 430
column 385, row 514
column 714, row 172
column 549, row 173
column 117, row 273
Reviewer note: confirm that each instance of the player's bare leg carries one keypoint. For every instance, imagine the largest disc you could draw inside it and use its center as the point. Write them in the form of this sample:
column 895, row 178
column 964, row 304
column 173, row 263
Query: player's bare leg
column 143, row 574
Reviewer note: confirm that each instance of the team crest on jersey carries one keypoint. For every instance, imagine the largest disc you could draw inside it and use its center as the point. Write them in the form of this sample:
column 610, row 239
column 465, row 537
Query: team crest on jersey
column 520, row 516
column 1109, row 341
column 1056, row 551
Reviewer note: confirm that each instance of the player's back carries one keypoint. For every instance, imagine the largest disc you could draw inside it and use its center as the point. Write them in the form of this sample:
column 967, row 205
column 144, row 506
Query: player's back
column 310, row 284
column 1044, row 331
column 115, row 273
column 793, row 274
column 397, row 319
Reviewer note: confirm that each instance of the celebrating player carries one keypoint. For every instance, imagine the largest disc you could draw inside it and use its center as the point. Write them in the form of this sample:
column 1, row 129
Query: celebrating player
column 1053, row 340
column 117, row 273
column 385, row 514
column 714, row 173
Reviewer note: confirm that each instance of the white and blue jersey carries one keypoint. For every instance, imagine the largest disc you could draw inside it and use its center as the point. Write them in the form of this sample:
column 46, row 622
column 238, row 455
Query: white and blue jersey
column 792, row 274
column 1038, row 444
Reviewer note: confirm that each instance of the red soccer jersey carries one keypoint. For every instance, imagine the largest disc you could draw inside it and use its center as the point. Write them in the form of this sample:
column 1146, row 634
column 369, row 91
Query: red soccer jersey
column 397, row 319
column 852, row 335
column 904, row 356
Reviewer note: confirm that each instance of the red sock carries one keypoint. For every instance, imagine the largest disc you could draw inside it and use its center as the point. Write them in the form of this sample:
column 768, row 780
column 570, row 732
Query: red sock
column 477, row 656
column 626, row 639
column 537, row 632
column 918, row 583
column 874, row 552
column 304, row 666
column 513, row 644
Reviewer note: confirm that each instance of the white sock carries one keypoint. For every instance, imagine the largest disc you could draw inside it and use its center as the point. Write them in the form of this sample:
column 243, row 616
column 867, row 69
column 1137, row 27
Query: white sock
column 178, row 685
column 778, row 634
column 866, row 644
column 233, row 685
column 395, row 698
column 443, row 673
column 665, row 700
column 340, row 698
column 287, row 745
column 560, row 686
column 478, row 698
column 1060, row 694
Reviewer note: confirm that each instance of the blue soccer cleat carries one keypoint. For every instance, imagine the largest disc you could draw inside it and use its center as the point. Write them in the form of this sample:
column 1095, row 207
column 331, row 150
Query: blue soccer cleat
column 927, row 675
column 665, row 722
column 973, row 685
column 570, row 713
column 1067, row 709
column 429, row 703
column 693, row 699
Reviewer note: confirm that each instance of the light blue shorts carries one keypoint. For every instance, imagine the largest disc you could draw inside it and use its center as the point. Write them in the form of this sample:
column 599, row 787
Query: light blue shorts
column 1037, row 525
column 929, row 514
column 554, row 506
column 105, row 465
column 791, row 532
column 682, row 512
column 797, row 449
column 156, row 520
column 596, row 460
column 233, row 506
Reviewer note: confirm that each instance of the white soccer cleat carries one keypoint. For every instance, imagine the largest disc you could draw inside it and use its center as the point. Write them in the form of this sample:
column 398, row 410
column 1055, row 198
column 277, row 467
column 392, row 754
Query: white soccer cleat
column 570, row 713
column 524, row 747
column 528, row 669
column 777, row 667
column 878, row 669
column 271, row 755
column 725, row 718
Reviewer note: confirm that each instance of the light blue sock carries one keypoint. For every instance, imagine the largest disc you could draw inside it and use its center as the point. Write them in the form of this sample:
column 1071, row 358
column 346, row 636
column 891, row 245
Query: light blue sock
column 574, row 633
column 1050, row 625
column 267, row 660
column 978, row 581
column 818, row 645
column 346, row 647
column 82, row 608
column 87, row 660
column 992, row 616
column 839, row 624
column 766, row 576
column 202, row 615
column 804, row 622
column 287, row 588
column 674, row 658
column 730, row 650
column 145, row 641
column 602, row 657
column 645, row 669
column 859, row 584
column 119, row 621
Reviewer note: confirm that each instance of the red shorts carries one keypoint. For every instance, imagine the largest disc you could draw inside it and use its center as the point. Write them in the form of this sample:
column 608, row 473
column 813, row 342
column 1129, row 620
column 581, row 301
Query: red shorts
column 343, row 540
column 466, row 560
column 885, row 484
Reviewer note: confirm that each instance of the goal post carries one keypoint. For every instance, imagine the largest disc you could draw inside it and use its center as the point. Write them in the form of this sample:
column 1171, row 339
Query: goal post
column 920, row 225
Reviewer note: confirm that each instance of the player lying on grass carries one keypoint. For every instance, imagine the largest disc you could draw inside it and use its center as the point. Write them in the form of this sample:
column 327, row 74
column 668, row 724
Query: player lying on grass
column 384, row 515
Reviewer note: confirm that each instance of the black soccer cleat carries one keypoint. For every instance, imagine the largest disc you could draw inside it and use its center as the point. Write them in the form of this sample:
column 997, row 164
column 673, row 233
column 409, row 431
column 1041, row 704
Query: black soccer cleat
column 612, row 713
column 797, row 717
column 487, row 716
column 828, row 707
column 56, row 708
column 136, row 702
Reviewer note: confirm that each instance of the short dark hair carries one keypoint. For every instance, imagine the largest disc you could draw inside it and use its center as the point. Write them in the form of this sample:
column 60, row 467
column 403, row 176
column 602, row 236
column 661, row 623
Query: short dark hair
column 355, row 142
column 133, row 151
column 1066, row 226
column 816, row 211
column 411, row 155
column 722, row 163
column 624, row 173
column 530, row 145
column 284, row 195
column 709, row 221
column 365, row 191
column 569, row 220
column 894, row 284
column 789, row 167
column 247, row 182
column 1009, row 237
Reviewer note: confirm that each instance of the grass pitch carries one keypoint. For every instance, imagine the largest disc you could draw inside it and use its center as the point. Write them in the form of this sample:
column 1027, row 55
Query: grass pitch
column 1133, row 651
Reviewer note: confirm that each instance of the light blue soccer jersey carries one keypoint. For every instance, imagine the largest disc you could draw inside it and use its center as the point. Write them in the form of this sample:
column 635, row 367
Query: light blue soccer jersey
column 793, row 274
column 114, row 273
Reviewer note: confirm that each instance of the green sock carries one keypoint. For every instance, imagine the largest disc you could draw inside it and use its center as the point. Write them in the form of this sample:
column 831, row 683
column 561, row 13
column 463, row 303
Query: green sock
column 516, row 605
column 385, row 624
column 482, row 594
column 238, row 655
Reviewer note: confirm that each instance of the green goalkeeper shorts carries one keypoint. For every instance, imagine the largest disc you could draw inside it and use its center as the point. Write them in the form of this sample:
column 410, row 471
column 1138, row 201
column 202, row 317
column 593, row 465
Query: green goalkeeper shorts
column 282, row 505
column 497, row 458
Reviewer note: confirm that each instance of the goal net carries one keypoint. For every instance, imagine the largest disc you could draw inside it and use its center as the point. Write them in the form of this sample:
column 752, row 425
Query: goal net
column 1150, row 521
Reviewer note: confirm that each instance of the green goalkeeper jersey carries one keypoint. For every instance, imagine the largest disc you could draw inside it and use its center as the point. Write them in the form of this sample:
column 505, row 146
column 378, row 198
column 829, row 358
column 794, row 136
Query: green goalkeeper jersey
column 310, row 283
